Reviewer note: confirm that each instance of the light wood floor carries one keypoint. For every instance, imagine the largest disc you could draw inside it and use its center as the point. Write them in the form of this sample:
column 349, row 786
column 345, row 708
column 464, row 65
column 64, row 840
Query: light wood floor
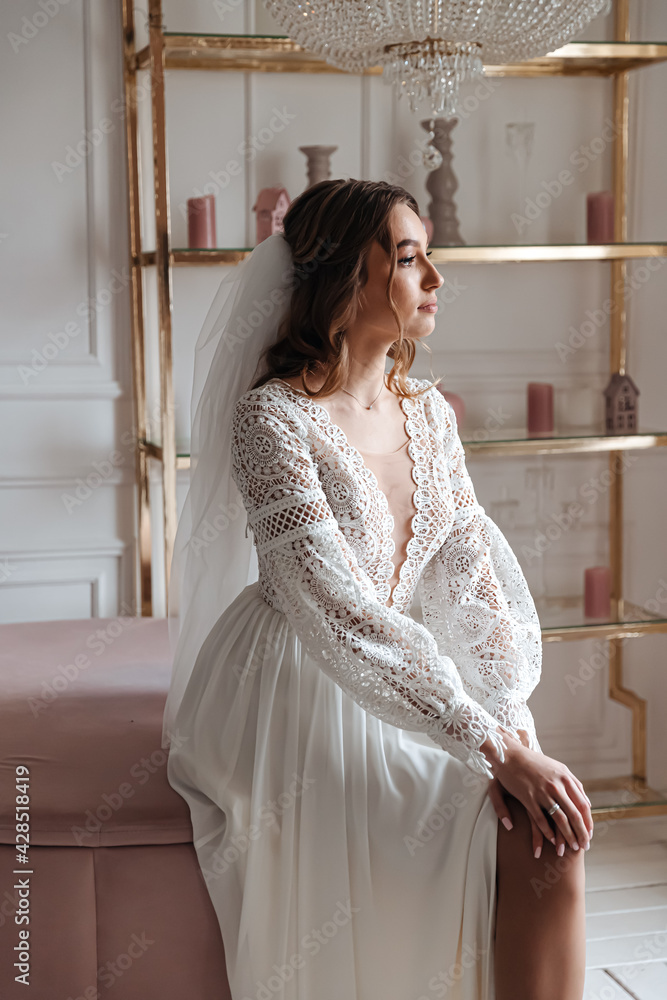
column 626, row 911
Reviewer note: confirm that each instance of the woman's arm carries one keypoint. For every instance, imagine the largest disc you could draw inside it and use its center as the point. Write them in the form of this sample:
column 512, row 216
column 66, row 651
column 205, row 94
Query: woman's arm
column 388, row 663
column 476, row 602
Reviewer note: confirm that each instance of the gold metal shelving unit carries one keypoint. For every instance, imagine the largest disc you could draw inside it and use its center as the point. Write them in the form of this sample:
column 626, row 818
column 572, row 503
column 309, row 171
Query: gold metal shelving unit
column 562, row 618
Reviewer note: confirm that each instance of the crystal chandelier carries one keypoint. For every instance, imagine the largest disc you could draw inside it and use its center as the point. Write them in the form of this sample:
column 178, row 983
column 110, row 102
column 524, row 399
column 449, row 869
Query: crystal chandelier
column 427, row 48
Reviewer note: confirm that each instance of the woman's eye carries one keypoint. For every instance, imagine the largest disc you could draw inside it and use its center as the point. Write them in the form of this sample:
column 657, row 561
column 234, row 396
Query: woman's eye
column 406, row 260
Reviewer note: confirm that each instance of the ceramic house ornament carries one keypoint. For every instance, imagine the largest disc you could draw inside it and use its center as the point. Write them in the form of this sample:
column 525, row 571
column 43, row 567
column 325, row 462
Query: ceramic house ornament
column 271, row 205
column 621, row 405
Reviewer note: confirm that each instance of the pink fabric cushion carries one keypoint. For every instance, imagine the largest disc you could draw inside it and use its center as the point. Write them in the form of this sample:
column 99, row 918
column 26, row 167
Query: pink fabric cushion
column 127, row 923
column 81, row 705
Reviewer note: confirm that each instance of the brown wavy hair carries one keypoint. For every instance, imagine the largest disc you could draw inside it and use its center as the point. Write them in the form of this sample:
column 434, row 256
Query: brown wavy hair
column 330, row 229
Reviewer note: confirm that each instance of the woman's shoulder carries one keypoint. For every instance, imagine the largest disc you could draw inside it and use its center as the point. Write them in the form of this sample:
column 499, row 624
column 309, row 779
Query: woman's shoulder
column 275, row 402
column 271, row 394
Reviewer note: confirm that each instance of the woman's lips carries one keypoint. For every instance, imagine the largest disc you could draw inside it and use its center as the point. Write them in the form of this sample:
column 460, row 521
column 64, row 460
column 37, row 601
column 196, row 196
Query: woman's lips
column 429, row 308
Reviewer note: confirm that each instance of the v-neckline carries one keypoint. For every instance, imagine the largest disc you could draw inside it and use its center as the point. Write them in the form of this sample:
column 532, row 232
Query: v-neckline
column 412, row 541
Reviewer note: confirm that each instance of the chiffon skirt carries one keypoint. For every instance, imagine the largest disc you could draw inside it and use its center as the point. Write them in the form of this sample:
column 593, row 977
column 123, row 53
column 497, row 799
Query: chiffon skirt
column 346, row 859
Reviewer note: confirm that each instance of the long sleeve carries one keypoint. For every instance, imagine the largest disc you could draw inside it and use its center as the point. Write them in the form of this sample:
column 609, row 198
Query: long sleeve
column 385, row 661
column 476, row 602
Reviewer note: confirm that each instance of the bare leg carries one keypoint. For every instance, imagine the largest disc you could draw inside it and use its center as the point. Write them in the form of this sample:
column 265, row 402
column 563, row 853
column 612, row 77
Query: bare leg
column 540, row 943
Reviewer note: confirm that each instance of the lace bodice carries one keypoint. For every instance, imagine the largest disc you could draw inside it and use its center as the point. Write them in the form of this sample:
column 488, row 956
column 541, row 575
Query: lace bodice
column 393, row 472
column 323, row 533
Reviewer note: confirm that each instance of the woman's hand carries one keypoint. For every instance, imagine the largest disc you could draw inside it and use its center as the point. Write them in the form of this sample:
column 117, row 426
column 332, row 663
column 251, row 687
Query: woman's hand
column 571, row 789
column 497, row 796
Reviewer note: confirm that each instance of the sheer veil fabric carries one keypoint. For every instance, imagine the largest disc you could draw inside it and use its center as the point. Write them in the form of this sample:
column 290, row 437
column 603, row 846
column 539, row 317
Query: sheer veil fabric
column 213, row 558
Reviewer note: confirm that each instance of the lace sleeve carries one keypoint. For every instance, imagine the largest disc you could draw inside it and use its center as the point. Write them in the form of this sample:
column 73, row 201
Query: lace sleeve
column 388, row 663
column 476, row 602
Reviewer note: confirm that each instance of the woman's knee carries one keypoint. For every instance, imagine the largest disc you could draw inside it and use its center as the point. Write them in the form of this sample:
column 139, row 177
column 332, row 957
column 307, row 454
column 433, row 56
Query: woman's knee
column 515, row 848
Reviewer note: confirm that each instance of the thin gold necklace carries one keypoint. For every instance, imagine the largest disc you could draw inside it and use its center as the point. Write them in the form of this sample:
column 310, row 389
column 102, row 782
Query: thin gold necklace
column 359, row 401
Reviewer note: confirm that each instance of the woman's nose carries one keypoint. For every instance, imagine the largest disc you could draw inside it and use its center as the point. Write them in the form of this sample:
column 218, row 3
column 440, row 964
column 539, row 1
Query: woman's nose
column 433, row 278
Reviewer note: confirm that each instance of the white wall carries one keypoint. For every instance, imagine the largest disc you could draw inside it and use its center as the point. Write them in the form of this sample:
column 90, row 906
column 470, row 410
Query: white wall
column 501, row 330
column 65, row 394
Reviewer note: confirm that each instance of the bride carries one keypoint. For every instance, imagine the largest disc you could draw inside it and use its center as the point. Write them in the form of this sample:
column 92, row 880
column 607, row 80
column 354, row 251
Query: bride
column 355, row 645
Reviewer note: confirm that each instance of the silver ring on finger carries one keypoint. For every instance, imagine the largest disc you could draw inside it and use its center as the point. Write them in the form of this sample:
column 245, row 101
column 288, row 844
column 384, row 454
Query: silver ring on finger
column 553, row 809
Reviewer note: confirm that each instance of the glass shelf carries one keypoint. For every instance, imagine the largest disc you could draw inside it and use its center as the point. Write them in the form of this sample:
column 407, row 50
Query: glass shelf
column 566, row 440
column 484, row 252
column 570, row 441
column 516, row 442
column 623, row 797
column 278, row 53
column 563, row 618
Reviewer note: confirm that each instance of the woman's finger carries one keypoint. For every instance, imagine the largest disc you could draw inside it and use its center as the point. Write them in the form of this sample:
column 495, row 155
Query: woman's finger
column 538, row 817
column 580, row 799
column 568, row 820
column 581, row 788
column 499, row 804
column 575, row 780
column 561, row 844
column 537, row 838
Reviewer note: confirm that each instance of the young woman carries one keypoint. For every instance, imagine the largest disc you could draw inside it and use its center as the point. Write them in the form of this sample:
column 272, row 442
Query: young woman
column 346, row 764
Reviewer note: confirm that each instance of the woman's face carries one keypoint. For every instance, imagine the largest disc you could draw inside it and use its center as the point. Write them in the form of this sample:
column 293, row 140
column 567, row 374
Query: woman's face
column 415, row 283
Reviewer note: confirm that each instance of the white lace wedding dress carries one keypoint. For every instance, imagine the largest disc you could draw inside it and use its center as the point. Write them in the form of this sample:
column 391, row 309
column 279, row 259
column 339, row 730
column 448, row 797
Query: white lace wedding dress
column 332, row 765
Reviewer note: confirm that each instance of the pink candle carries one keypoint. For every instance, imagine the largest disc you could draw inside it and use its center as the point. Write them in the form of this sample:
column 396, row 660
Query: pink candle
column 201, row 222
column 540, row 408
column 600, row 217
column 597, row 592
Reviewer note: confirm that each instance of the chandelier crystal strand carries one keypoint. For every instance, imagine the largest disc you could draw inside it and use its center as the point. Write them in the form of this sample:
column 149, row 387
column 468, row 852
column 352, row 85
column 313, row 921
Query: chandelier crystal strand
column 428, row 48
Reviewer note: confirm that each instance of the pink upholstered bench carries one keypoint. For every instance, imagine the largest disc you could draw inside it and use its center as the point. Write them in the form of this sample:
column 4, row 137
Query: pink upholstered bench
column 112, row 889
